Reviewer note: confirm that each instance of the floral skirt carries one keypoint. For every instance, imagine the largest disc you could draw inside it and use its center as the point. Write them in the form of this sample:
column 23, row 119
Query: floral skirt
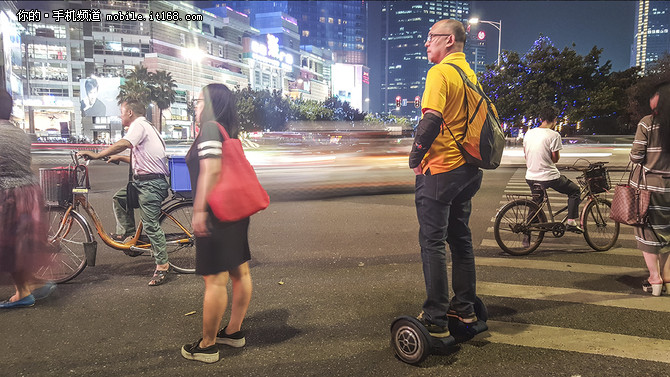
column 23, row 232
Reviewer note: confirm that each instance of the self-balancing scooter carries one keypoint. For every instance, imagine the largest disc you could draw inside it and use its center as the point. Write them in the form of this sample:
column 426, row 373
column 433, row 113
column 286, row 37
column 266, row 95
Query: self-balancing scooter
column 412, row 343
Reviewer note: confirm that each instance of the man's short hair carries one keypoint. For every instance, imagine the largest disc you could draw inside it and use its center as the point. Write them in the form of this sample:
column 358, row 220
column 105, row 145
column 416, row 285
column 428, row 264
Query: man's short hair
column 90, row 84
column 6, row 104
column 548, row 114
column 457, row 29
column 137, row 107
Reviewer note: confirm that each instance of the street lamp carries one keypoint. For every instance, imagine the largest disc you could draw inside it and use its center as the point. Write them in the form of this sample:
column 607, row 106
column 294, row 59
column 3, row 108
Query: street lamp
column 193, row 54
column 497, row 25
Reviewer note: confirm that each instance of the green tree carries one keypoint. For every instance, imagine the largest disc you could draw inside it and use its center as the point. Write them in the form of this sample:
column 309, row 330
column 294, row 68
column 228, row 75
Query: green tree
column 163, row 93
column 132, row 89
column 579, row 86
column 638, row 94
column 147, row 87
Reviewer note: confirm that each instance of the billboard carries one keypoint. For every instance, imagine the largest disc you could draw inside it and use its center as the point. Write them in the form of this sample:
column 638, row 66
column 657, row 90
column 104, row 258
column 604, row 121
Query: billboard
column 351, row 83
column 98, row 96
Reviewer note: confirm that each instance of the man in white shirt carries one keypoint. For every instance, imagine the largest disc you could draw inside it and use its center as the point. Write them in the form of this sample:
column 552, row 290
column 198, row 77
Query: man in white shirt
column 150, row 172
column 541, row 147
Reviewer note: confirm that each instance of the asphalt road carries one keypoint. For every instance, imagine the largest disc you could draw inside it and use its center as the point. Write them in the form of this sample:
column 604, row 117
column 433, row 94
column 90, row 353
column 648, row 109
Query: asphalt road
column 330, row 274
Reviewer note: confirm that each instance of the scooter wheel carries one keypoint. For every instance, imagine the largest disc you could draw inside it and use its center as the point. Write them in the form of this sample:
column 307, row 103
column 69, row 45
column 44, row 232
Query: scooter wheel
column 409, row 340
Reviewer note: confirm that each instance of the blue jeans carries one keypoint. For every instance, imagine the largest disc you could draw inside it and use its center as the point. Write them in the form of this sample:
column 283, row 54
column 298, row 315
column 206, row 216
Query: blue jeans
column 443, row 206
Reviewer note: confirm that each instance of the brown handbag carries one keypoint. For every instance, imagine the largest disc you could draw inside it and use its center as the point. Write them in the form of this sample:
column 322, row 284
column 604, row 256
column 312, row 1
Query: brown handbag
column 631, row 203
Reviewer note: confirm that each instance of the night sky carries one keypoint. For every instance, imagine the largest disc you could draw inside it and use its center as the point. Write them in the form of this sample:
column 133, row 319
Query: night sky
column 606, row 24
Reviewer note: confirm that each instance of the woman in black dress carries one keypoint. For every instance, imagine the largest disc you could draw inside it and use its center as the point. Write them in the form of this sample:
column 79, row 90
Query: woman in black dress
column 222, row 248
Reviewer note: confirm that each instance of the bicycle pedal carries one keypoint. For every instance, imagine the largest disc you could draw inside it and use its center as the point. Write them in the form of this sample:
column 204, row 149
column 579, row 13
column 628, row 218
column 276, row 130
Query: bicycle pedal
column 133, row 253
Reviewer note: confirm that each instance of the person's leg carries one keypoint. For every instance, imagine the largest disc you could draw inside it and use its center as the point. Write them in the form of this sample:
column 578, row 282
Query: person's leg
column 664, row 264
column 242, row 289
column 432, row 216
column 213, row 306
column 151, row 196
column 655, row 279
column 572, row 190
column 459, row 238
column 21, row 284
column 537, row 194
column 125, row 220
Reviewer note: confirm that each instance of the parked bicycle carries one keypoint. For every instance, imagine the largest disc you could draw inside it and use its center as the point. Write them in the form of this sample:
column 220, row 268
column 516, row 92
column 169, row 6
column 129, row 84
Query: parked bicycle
column 521, row 224
column 71, row 236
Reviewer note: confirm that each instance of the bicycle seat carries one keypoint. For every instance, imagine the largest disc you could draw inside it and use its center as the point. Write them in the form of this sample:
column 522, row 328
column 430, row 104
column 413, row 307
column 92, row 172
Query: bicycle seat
column 538, row 187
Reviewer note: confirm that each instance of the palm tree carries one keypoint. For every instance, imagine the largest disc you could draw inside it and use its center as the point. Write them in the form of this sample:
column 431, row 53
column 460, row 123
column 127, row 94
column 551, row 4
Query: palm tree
column 132, row 89
column 163, row 92
column 140, row 74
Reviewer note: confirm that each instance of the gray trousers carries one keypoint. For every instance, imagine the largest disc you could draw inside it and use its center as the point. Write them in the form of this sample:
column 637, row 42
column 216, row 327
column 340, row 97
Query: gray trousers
column 151, row 196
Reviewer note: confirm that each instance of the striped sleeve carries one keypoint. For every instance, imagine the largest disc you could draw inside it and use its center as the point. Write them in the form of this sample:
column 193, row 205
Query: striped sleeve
column 639, row 150
column 209, row 145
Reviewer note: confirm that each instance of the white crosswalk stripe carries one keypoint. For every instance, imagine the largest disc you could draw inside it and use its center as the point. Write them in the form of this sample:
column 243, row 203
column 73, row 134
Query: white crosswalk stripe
column 565, row 338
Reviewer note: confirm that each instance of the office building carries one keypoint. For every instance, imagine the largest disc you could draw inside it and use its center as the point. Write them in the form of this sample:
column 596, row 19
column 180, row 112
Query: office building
column 66, row 60
column 405, row 26
column 652, row 37
column 11, row 59
column 336, row 25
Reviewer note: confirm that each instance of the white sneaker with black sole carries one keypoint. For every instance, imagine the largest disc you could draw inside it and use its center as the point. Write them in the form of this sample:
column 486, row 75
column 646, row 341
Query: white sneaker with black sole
column 236, row 339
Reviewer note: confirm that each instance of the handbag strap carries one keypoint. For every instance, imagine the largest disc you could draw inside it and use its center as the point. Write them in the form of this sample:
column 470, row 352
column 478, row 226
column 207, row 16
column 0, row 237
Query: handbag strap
column 624, row 173
column 223, row 130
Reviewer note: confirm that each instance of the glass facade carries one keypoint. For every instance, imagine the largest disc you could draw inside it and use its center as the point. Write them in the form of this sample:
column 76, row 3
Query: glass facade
column 405, row 26
column 652, row 39
column 339, row 26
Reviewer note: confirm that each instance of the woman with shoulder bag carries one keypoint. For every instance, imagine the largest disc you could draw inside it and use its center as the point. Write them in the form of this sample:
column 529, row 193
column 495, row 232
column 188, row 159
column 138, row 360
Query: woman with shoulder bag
column 651, row 151
column 222, row 248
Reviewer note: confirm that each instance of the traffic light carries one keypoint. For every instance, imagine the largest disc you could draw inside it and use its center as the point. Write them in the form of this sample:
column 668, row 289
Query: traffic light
column 417, row 102
column 398, row 100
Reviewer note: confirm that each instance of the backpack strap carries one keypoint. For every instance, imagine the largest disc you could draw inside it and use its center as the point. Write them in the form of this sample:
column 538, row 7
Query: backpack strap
column 465, row 100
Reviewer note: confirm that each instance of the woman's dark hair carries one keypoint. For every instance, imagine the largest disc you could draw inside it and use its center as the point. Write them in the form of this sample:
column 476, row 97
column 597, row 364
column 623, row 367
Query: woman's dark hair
column 220, row 107
column 662, row 116
column 6, row 104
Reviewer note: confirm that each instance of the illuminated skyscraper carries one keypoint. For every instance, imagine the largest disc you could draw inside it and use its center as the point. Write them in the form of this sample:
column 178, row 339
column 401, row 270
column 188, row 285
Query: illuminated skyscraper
column 336, row 25
column 652, row 39
column 405, row 26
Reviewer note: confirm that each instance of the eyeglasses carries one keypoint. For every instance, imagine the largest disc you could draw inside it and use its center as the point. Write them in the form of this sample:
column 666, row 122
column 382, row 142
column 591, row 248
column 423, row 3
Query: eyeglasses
column 430, row 36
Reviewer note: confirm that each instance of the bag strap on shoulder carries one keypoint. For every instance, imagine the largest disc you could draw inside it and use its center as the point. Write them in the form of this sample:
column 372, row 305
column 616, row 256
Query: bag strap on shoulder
column 222, row 130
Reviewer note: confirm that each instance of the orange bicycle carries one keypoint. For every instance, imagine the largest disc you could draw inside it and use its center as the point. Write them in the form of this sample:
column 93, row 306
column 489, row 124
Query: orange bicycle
column 71, row 237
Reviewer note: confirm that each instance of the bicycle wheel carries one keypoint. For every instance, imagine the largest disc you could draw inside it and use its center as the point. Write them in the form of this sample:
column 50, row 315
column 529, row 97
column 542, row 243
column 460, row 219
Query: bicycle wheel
column 68, row 258
column 512, row 228
column 175, row 221
column 600, row 232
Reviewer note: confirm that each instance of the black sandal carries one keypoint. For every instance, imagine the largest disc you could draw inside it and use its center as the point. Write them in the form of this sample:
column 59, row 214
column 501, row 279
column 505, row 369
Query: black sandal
column 159, row 278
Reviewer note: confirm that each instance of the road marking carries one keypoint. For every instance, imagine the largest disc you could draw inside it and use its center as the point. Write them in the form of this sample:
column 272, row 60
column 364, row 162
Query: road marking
column 622, row 236
column 578, row 296
column 584, row 268
column 570, row 247
column 583, row 341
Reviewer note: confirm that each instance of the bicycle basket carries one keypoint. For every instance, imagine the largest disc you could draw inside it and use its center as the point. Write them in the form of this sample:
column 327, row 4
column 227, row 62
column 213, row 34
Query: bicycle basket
column 597, row 178
column 57, row 184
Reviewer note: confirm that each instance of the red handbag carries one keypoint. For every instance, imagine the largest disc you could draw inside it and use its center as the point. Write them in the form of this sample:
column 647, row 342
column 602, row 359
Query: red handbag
column 237, row 194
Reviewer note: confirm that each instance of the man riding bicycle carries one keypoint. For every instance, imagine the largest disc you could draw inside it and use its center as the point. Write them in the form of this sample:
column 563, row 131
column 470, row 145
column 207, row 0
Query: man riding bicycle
column 541, row 147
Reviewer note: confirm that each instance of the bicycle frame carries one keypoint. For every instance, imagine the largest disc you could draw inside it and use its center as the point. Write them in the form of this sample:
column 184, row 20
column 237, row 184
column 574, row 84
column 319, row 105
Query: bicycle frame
column 584, row 194
column 80, row 198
